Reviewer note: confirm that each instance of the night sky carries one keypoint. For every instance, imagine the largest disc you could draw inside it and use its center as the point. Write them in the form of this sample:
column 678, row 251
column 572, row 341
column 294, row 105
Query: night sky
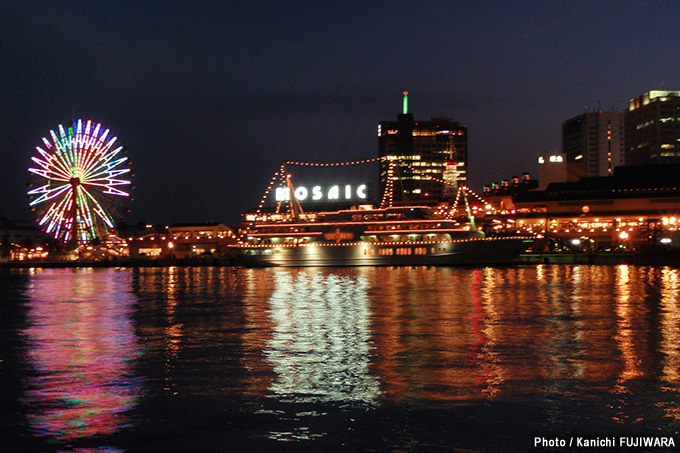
column 210, row 97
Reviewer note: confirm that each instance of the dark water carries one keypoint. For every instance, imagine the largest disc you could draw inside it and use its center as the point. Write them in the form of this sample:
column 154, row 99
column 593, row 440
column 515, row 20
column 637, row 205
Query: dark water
column 386, row 359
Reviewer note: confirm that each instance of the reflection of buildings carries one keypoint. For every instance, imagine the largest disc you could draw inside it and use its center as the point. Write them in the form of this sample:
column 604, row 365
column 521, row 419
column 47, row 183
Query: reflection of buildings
column 532, row 331
column 670, row 344
column 213, row 319
column 435, row 148
column 81, row 344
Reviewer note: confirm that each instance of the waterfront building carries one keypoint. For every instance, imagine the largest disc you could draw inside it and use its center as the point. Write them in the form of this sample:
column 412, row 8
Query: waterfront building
column 15, row 233
column 184, row 241
column 592, row 143
column 419, row 151
column 636, row 206
column 652, row 128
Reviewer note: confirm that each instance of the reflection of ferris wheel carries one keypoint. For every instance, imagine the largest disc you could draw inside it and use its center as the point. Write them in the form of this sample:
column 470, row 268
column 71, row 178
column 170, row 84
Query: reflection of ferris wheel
column 75, row 184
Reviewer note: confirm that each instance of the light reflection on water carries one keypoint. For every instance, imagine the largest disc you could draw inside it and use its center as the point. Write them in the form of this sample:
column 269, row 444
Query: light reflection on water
column 320, row 341
column 80, row 344
column 580, row 346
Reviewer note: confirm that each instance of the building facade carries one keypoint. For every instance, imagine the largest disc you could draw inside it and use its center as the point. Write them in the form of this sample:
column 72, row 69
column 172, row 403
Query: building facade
column 652, row 128
column 636, row 206
column 182, row 241
column 421, row 155
column 593, row 143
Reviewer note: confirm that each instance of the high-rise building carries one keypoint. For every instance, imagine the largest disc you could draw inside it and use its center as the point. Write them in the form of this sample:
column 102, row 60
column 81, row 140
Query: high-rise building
column 422, row 155
column 593, row 143
column 652, row 128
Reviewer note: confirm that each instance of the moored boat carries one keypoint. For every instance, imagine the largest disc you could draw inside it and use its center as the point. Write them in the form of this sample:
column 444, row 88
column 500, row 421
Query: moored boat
column 393, row 236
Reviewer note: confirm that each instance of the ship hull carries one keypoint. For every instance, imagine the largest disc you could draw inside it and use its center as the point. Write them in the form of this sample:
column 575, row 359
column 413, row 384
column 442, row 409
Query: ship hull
column 487, row 251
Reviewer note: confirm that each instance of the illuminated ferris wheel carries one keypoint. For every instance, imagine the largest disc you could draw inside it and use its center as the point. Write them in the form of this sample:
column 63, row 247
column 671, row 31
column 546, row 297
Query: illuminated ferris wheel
column 75, row 187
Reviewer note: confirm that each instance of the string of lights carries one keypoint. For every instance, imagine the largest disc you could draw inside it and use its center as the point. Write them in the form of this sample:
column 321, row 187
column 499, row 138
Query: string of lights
column 465, row 189
column 388, row 195
column 281, row 171
column 334, row 164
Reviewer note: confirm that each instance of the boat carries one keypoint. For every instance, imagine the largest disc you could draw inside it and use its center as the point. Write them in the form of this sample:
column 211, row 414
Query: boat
column 389, row 236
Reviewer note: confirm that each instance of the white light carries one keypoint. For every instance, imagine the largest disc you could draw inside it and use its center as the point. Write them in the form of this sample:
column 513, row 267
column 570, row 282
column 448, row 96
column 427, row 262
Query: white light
column 301, row 193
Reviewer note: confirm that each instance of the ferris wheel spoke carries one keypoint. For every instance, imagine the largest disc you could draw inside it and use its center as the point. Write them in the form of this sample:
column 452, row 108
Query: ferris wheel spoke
column 106, row 169
column 94, row 156
column 49, row 160
column 106, row 174
column 106, row 182
column 112, row 191
column 52, row 164
column 55, row 217
column 47, row 194
column 100, row 151
column 97, row 207
column 62, row 152
column 85, row 211
column 49, row 174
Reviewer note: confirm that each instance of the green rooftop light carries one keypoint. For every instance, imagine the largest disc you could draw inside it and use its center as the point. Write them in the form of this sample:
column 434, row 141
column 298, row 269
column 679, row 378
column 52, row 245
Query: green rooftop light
column 405, row 102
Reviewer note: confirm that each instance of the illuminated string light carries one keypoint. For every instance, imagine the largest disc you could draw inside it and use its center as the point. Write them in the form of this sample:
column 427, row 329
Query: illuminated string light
column 388, row 195
column 78, row 176
column 334, row 164
column 464, row 190
column 281, row 171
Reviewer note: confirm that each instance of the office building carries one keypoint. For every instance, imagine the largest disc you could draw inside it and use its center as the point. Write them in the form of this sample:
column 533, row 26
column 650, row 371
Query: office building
column 422, row 155
column 652, row 128
column 593, row 143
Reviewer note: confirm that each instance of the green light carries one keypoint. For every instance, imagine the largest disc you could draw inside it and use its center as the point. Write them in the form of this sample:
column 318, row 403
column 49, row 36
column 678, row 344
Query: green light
column 405, row 102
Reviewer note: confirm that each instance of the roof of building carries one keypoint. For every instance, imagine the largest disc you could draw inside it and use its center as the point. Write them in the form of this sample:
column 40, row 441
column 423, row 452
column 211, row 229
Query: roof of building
column 626, row 182
column 197, row 225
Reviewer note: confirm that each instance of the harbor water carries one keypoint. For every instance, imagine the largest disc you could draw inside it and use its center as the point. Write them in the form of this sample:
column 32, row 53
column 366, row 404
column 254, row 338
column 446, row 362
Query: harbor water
column 356, row 359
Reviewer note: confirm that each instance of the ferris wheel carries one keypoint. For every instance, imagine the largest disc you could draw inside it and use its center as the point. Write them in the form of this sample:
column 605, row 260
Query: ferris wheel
column 75, row 187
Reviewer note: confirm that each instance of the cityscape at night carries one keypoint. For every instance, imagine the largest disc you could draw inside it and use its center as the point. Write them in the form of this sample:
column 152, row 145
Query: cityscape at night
column 398, row 226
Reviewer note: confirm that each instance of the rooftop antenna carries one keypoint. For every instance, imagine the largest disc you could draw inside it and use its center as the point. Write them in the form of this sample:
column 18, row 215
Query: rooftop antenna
column 405, row 102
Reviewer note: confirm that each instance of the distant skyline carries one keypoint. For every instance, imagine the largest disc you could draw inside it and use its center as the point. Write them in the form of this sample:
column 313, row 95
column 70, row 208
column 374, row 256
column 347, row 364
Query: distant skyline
column 210, row 97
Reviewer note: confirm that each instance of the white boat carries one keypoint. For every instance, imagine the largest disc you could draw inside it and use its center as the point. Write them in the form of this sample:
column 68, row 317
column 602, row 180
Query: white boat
column 393, row 236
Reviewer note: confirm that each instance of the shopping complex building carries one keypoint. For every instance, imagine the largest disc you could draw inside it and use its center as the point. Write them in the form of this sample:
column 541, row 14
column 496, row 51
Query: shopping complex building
column 636, row 206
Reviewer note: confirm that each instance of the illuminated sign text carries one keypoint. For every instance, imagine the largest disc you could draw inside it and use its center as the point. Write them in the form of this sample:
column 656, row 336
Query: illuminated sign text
column 318, row 193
